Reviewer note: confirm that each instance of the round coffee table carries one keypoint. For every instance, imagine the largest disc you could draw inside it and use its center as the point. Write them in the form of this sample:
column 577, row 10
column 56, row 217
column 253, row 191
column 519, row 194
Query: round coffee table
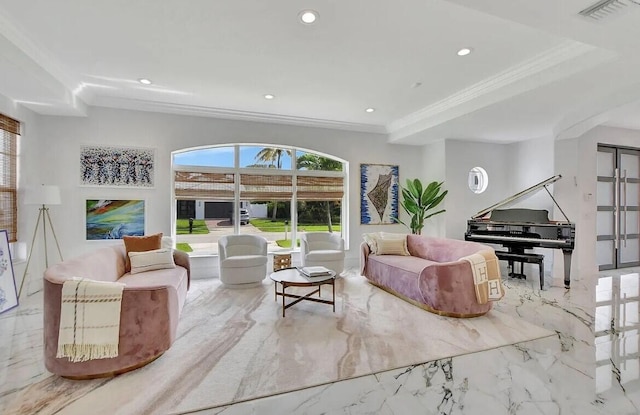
column 291, row 277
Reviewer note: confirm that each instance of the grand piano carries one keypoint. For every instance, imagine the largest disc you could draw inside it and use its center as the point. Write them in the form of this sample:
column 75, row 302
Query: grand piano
column 521, row 229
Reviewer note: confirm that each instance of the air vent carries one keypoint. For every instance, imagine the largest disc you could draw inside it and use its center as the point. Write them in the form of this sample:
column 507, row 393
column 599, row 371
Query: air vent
column 606, row 8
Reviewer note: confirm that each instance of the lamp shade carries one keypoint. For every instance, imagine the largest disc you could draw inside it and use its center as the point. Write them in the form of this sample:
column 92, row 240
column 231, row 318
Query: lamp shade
column 42, row 195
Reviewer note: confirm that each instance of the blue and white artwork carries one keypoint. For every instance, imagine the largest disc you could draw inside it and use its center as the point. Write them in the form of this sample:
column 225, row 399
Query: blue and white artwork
column 379, row 187
column 116, row 166
column 113, row 219
column 8, row 292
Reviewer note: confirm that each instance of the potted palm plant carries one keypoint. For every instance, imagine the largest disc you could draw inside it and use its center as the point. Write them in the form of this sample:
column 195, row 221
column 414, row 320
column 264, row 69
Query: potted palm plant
column 419, row 201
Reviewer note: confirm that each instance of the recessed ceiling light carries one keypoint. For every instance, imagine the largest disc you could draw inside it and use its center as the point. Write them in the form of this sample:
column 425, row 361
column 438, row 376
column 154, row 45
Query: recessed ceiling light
column 144, row 81
column 308, row 16
column 269, row 96
column 464, row 52
column 369, row 110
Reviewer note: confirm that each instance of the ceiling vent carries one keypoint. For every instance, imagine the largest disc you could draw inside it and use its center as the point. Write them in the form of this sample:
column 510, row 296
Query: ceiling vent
column 606, row 8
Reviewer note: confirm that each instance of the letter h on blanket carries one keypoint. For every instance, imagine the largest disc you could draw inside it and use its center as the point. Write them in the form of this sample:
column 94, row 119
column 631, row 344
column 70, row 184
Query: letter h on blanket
column 486, row 276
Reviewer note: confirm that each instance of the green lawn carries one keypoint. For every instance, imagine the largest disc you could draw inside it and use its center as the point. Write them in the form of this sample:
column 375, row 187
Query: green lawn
column 286, row 243
column 199, row 227
column 266, row 225
column 181, row 246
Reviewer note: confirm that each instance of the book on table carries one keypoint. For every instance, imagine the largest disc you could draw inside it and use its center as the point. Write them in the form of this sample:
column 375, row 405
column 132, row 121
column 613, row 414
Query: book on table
column 315, row 271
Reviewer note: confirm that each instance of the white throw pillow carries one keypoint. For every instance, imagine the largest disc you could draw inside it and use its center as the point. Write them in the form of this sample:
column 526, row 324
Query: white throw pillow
column 371, row 239
column 151, row 260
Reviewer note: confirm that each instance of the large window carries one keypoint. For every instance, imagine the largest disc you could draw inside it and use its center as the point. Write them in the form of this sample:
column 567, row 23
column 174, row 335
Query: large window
column 274, row 191
column 9, row 132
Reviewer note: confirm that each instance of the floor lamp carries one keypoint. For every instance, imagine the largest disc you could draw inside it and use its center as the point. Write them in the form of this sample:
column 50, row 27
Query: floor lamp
column 44, row 196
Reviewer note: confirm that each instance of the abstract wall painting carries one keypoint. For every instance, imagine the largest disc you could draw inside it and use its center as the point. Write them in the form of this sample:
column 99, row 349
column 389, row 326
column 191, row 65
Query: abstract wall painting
column 117, row 166
column 8, row 292
column 113, row 219
column 379, row 187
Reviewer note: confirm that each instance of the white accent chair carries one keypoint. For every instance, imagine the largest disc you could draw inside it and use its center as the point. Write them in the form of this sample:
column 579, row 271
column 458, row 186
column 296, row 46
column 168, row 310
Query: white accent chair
column 322, row 249
column 242, row 260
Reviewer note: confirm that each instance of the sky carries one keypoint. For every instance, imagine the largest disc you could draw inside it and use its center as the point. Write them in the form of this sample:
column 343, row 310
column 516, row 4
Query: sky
column 223, row 157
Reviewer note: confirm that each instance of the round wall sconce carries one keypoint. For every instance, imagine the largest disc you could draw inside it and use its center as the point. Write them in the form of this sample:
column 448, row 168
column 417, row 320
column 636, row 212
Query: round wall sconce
column 478, row 180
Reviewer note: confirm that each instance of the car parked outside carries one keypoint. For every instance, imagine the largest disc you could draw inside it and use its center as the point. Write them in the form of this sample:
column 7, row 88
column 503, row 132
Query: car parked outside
column 244, row 216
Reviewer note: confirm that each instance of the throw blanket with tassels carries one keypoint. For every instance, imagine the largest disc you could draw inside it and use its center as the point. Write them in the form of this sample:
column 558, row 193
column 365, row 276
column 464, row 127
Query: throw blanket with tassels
column 89, row 319
column 486, row 276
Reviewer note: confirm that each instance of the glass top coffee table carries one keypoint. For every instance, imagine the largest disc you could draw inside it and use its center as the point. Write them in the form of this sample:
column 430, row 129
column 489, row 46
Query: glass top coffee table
column 291, row 277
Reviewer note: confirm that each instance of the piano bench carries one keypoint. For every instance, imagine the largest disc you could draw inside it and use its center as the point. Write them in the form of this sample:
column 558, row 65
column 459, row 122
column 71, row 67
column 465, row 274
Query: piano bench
column 522, row 258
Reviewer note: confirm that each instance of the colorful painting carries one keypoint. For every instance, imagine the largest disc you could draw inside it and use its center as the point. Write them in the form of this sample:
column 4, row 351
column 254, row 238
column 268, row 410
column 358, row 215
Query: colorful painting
column 116, row 166
column 113, row 219
column 8, row 292
column 378, row 194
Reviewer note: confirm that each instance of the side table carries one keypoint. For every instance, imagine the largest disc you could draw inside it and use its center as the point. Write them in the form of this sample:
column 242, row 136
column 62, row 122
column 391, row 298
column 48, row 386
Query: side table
column 281, row 260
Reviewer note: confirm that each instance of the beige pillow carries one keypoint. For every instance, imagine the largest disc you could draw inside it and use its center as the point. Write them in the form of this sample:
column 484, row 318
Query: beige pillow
column 151, row 260
column 392, row 247
column 395, row 236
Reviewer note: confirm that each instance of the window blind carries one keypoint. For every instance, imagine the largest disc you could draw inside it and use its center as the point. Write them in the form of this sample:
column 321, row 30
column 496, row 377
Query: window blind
column 204, row 186
column 319, row 188
column 261, row 187
column 255, row 187
column 9, row 132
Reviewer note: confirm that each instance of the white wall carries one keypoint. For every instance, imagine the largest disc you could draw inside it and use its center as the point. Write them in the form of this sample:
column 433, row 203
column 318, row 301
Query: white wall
column 461, row 202
column 54, row 159
column 531, row 162
column 434, row 169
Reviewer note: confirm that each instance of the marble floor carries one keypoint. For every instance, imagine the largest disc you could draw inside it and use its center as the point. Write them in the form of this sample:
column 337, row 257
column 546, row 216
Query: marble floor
column 569, row 352
column 590, row 366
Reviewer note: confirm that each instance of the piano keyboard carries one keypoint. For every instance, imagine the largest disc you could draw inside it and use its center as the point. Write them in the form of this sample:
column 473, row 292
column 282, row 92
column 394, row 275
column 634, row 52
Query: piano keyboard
column 518, row 239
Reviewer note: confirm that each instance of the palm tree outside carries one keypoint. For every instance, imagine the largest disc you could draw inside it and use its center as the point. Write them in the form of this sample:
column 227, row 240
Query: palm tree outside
column 273, row 159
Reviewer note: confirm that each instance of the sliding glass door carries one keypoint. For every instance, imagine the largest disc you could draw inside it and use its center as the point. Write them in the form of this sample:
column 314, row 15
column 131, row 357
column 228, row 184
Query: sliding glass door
column 618, row 217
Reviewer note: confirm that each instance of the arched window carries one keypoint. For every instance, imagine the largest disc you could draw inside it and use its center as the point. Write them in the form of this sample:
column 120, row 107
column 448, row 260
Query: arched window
column 271, row 190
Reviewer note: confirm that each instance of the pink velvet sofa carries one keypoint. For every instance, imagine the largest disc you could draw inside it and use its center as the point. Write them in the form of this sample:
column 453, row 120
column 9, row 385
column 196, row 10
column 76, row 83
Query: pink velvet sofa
column 432, row 277
column 150, row 309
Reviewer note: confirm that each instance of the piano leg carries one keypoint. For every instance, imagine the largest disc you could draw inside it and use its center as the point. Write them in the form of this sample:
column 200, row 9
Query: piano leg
column 567, row 268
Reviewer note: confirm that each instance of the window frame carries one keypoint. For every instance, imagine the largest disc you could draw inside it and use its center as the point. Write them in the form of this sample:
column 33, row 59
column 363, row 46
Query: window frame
column 292, row 172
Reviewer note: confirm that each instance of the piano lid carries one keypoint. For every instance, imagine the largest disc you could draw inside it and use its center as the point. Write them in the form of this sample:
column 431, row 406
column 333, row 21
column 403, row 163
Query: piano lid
column 542, row 185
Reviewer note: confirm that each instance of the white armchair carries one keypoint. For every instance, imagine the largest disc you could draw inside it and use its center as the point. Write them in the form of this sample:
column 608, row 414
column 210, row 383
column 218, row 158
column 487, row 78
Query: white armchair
column 322, row 249
column 243, row 260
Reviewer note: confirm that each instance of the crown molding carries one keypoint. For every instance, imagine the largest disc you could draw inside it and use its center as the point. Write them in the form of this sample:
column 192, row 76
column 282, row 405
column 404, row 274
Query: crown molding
column 232, row 114
column 35, row 53
column 548, row 59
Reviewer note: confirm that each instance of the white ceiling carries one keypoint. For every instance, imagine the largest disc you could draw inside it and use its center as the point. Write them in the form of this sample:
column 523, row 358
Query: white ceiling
column 537, row 67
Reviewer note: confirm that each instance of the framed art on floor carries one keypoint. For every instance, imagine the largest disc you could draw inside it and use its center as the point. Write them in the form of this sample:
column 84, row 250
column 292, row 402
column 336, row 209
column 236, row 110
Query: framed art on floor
column 8, row 292
column 378, row 194
column 113, row 219
column 117, row 166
